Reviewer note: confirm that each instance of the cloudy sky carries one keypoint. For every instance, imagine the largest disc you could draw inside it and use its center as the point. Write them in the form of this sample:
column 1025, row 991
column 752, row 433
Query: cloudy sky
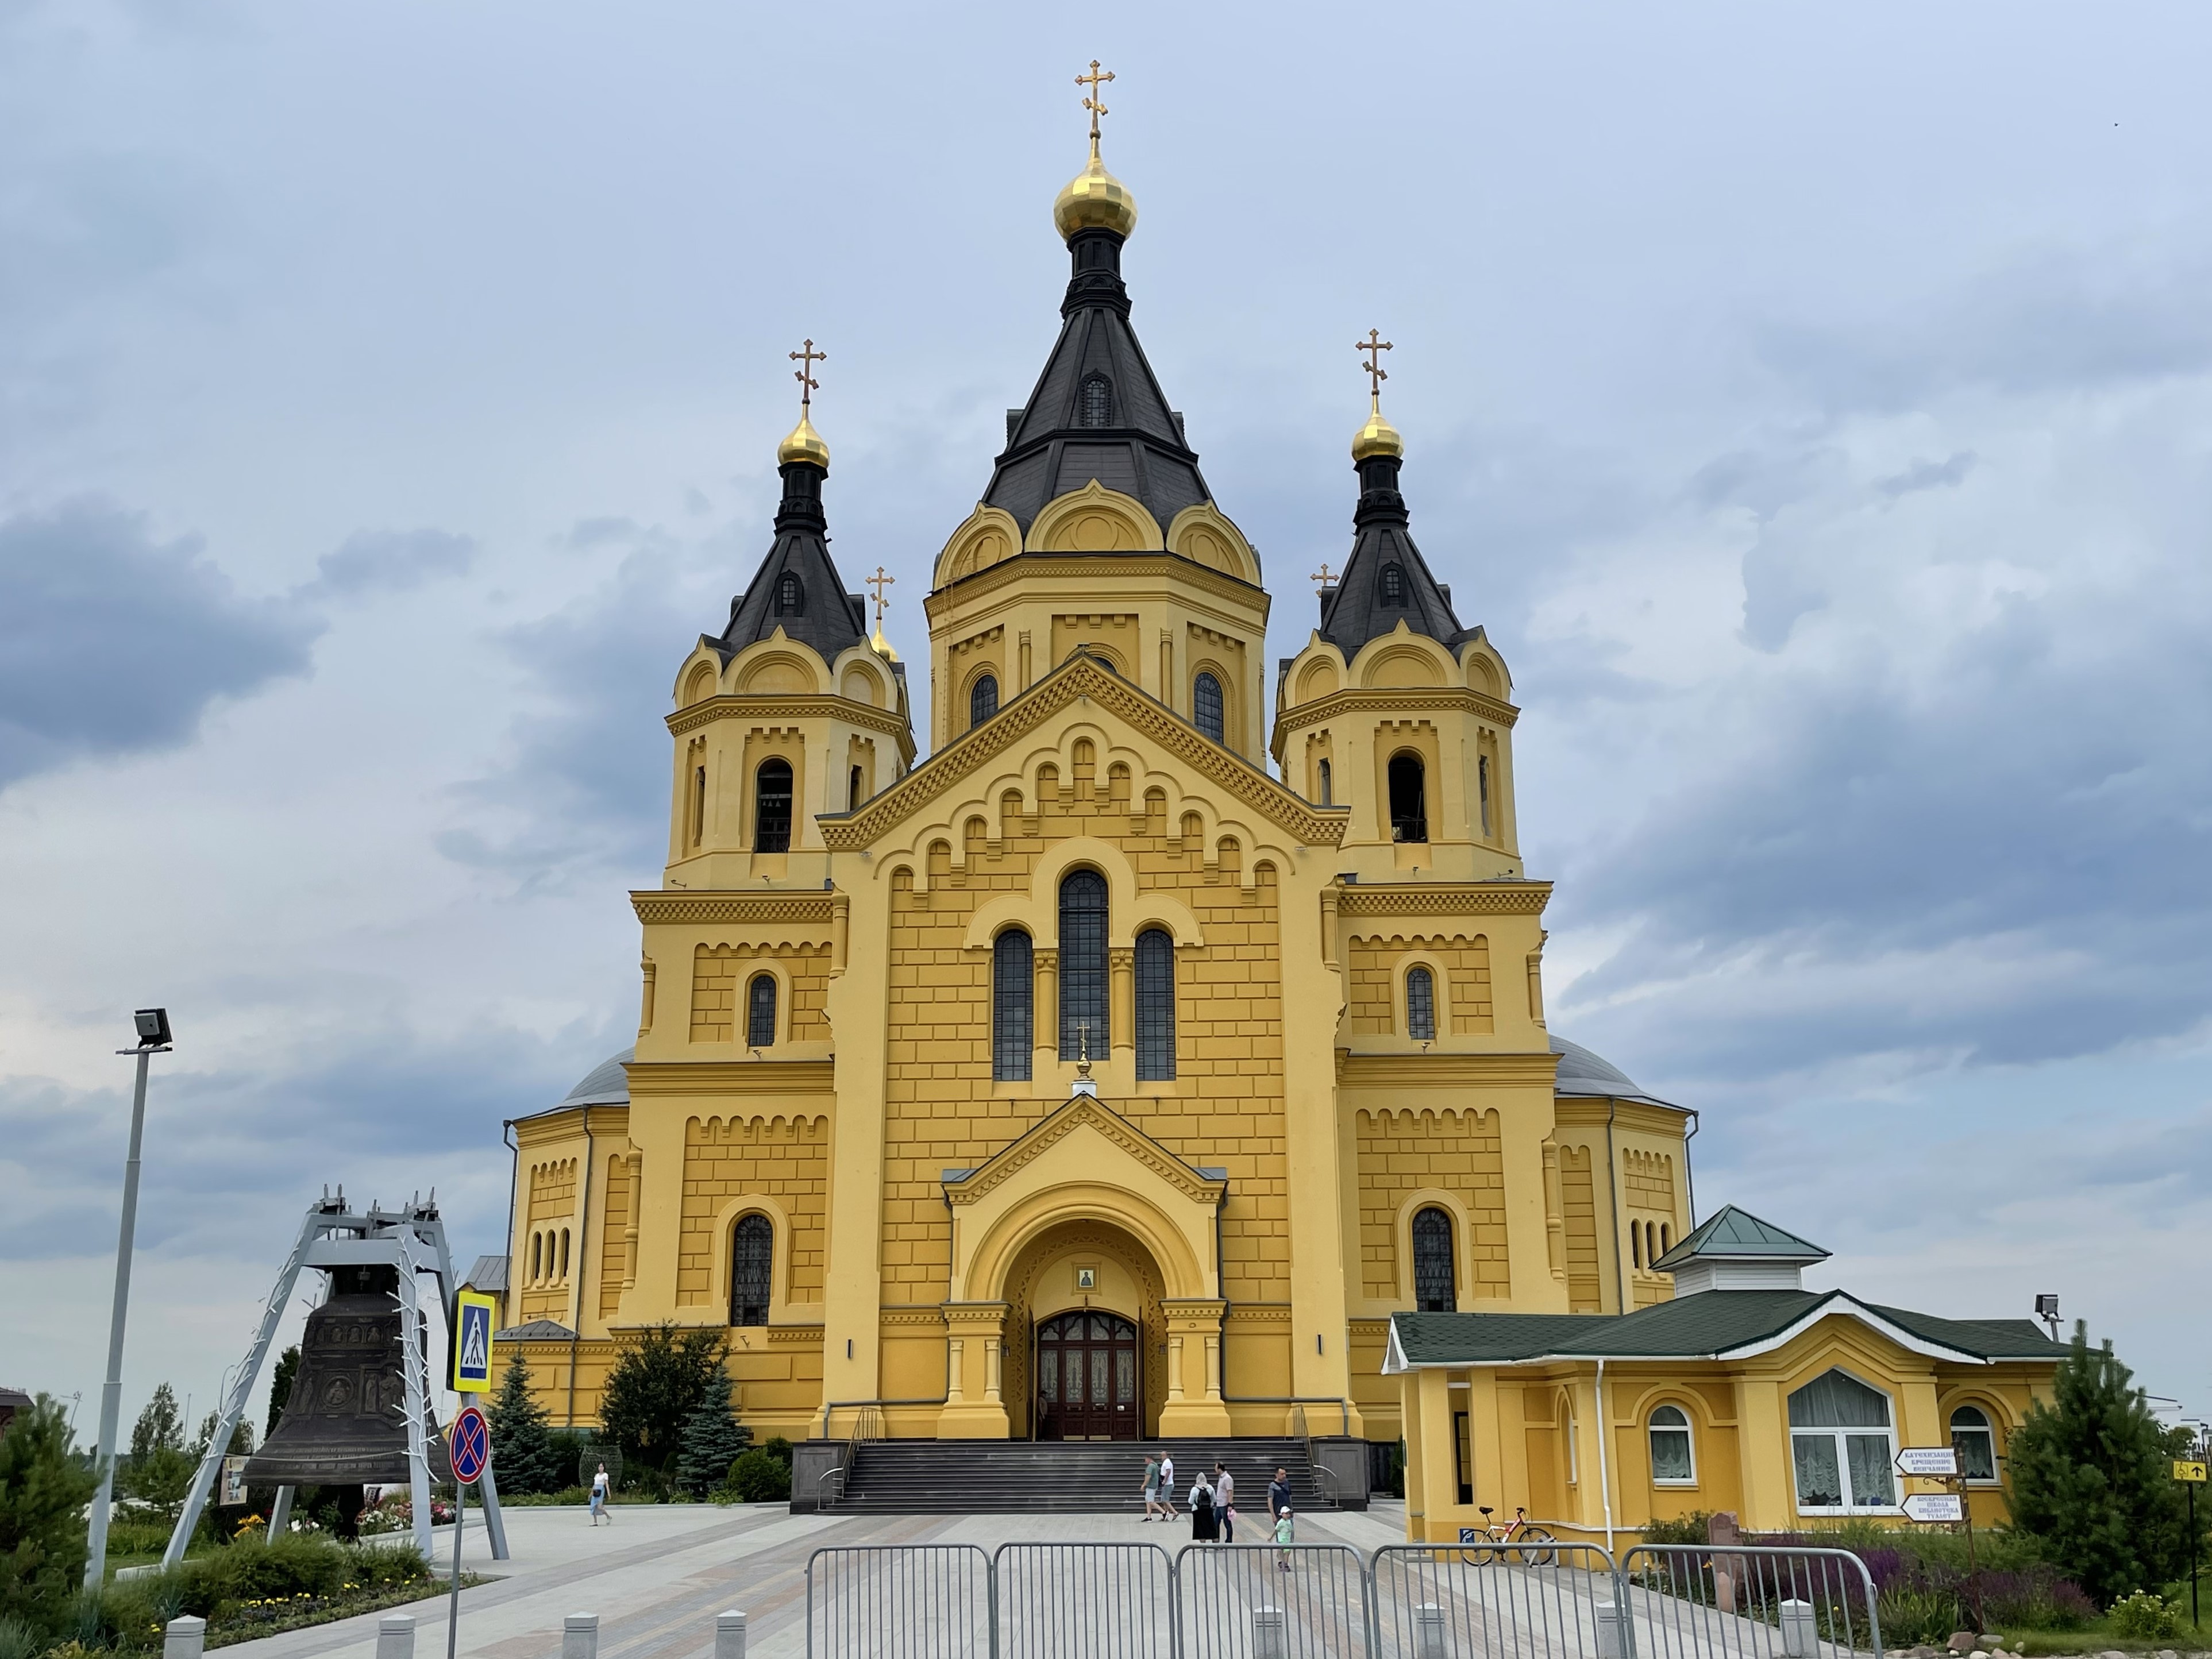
column 1814, row 404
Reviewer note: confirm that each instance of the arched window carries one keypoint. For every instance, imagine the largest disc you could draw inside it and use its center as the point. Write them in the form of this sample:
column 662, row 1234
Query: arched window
column 1420, row 1004
column 536, row 1257
column 1328, row 786
column 1013, row 1007
column 760, row 1011
column 1156, row 1012
column 1482, row 788
column 1841, row 1447
column 1673, row 1461
column 790, row 596
column 564, row 1253
column 772, row 806
column 1394, row 585
column 1083, row 966
column 1436, row 1286
column 982, row 699
column 1651, row 1250
column 698, row 804
column 1205, row 706
column 752, row 1269
column 1409, row 799
column 1666, row 1237
column 1095, row 406
column 1975, row 1442
column 853, row 794
column 1636, row 1244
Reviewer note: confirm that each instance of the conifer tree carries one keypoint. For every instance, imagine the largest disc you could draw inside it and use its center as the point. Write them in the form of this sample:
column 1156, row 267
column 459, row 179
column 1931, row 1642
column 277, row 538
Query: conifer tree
column 713, row 1439
column 2093, row 1482
column 43, row 1487
column 523, row 1455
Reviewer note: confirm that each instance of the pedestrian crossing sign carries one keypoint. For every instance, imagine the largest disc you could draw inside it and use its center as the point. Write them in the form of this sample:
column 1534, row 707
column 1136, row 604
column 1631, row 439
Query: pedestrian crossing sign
column 472, row 1343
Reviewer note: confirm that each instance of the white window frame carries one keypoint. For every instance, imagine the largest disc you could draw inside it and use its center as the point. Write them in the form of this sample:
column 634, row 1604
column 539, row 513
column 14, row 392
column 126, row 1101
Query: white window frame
column 1996, row 1478
column 1686, row 1428
column 1838, row 1437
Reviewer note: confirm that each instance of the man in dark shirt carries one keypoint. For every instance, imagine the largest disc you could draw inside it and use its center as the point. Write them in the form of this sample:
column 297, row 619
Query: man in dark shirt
column 1279, row 1494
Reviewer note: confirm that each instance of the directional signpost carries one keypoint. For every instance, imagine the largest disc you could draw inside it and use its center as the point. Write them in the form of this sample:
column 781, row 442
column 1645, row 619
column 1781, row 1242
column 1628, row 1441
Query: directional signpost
column 469, row 1442
column 2190, row 1472
column 1929, row 1463
column 1938, row 1508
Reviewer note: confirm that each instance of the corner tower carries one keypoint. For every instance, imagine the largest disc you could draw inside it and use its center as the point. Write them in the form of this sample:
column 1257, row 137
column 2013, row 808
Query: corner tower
column 1393, row 708
column 1097, row 531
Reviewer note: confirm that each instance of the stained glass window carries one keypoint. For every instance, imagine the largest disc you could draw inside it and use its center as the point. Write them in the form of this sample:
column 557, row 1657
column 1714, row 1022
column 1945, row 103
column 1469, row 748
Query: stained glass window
column 752, row 1259
column 1013, row 1029
column 772, row 808
column 1156, row 1012
column 1434, row 1286
column 1083, row 965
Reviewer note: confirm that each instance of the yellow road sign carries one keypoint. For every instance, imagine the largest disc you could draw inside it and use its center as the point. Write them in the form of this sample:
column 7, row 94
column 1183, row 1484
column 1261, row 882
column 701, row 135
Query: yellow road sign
column 2192, row 1472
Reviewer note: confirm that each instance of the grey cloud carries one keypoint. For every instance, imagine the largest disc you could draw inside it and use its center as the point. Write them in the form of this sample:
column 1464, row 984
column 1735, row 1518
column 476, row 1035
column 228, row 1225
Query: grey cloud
column 392, row 560
column 112, row 643
column 1927, row 475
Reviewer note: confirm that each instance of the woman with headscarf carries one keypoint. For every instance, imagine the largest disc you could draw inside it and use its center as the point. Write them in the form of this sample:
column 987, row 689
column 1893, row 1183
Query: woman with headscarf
column 1205, row 1526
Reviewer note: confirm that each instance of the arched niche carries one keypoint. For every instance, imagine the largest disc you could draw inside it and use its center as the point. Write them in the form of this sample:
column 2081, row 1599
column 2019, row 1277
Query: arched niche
column 1095, row 519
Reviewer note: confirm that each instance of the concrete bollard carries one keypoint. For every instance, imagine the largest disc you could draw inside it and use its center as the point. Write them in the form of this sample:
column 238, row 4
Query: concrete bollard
column 1271, row 1633
column 1429, row 1641
column 579, row 1636
column 1801, row 1630
column 185, row 1638
column 1611, row 1643
column 730, row 1635
column 395, row 1636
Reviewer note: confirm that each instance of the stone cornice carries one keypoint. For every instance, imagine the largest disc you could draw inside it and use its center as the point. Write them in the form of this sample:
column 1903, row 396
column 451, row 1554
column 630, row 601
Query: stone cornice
column 1151, row 562
column 791, row 706
column 660, row 905
column 1082, row 675
column 1010, row 1160
column 1417, row 899
column 1437, row 1071
column 1392, row 698
column 657, row 1078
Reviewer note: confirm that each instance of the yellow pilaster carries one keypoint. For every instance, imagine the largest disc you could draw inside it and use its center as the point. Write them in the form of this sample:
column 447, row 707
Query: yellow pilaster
column 858, row 1004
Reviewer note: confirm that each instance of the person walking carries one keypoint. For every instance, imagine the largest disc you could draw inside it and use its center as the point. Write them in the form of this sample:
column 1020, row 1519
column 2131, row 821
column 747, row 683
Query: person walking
column 1152, row 1484
column 1204, row 1529
column 1285, row 1536
column 1225, row 1501
column 1167, row 1482
column 599, row 1497
column 1278, row 1493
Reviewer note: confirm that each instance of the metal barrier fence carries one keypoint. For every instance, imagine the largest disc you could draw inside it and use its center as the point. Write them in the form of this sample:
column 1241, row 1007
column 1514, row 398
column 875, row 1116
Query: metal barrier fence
column 1560, row 1602
column 1085, row 1601
column 900, row 1602
column 1134, row 1601
column 1761, row 1601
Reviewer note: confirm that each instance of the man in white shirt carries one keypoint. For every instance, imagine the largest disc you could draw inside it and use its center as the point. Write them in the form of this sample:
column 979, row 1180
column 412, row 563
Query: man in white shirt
column 1167, row 1480
column 1225, row 1494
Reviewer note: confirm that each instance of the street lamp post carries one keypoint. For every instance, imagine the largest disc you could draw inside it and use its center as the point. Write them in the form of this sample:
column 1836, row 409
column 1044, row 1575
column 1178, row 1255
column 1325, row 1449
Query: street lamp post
column 153, row 1028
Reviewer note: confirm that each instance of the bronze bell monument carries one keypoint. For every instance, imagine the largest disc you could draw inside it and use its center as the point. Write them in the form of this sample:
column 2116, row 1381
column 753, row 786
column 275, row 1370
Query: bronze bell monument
column 345, row 1422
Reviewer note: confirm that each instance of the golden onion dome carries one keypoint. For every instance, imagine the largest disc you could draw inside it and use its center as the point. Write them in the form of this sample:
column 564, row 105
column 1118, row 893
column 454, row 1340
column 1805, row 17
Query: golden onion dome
column 882, row 647
column 1377, row 437
column 1095, row 199
column 804, row 444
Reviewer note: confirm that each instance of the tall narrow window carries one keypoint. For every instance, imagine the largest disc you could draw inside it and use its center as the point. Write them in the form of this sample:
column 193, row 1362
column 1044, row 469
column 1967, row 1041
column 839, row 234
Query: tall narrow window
column 772, row 806
column 1666, row 1237
column 698, row 804
column 1394, row 585
column 536, row 1257
column 760, row 1011
column 1328, row 786
column 852, row 793
column 564, row 1253
column 1155, row 1013
column 1420, row 1004
column 752, row 1269
column 1636, row 1244
column 1435, row 1288
column 1409, row 799
column 1205, row 706
column 1482, row 788
column 1975, row 1442
column 983, row 700
column 1095, row 405
column 1651, row 1250
column 790, row 596
column 1013, row 1007
column 1083, row 965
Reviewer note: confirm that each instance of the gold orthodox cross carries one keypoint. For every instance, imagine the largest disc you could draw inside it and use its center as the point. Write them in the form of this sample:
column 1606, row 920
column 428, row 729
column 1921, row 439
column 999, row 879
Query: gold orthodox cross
column 808, row 386
column 879, row 581
column 1372, row 348
column 1082, row 1026
column 1323, row 575
column 1091, row 98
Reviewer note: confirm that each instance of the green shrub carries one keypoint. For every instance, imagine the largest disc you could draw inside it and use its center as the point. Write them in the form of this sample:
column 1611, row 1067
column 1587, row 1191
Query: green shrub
column 43, row 1487
column 2146, row 1616
column 760, row 1477
column 1690, row 1528
column 17, row 1639
column 1911, row 1617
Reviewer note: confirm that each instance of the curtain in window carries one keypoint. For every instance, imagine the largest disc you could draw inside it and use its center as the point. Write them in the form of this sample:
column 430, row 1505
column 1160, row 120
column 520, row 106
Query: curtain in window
column 983, row 700
column 1156, row 1029
column 1819, row 1481
column 1670, row 1445
column 1082, row 964
column 1205, row 706
column 1013, row 1007
column 1420, row 1004
column 772, row 808
column 1434, row 1288
column 752, row 1259
column 1975, row 1444
column 1835, row 1400
column 760, row 1011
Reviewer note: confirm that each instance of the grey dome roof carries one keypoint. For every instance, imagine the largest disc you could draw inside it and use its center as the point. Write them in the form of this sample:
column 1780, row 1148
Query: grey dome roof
column 604, row 1084
column 1584, row 1073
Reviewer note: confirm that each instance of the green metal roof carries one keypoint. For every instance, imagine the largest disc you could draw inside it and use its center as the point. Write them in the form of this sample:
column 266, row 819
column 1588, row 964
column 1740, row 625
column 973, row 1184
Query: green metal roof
column 1709, row 1325
column 1732, row 1233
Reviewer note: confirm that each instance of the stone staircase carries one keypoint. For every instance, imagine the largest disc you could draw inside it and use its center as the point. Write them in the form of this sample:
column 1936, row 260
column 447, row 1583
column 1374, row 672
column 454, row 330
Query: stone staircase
column 1005, row 1477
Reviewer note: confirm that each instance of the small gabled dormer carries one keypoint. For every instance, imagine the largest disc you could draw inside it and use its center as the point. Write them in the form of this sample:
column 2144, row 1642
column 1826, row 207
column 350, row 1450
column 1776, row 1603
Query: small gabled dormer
column 1735, row 1251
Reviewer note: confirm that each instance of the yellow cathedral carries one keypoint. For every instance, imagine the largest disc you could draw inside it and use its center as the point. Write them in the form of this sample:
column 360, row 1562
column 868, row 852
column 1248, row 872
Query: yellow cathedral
column 1120, row 1071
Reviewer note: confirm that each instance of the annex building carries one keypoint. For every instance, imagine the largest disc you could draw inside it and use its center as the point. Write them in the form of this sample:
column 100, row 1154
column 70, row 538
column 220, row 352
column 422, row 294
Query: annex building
column 1122, row 1068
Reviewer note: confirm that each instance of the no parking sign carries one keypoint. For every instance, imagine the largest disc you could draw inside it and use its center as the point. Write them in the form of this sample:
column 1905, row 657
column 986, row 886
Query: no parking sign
column 471, row 1445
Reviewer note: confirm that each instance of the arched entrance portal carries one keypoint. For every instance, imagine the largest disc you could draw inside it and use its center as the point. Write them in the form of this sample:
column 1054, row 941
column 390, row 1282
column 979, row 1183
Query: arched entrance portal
column 1087, row 1366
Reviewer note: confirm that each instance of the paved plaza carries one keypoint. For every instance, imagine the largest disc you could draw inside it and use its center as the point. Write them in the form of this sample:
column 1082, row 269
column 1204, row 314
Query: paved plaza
column 659, row 1574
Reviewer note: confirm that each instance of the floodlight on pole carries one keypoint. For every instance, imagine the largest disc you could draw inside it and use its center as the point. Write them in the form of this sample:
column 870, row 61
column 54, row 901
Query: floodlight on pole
column 152, row 1026
column 2047, row 1309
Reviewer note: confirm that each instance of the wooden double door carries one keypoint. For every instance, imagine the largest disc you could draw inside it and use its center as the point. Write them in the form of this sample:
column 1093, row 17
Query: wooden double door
column 1089, row 1384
